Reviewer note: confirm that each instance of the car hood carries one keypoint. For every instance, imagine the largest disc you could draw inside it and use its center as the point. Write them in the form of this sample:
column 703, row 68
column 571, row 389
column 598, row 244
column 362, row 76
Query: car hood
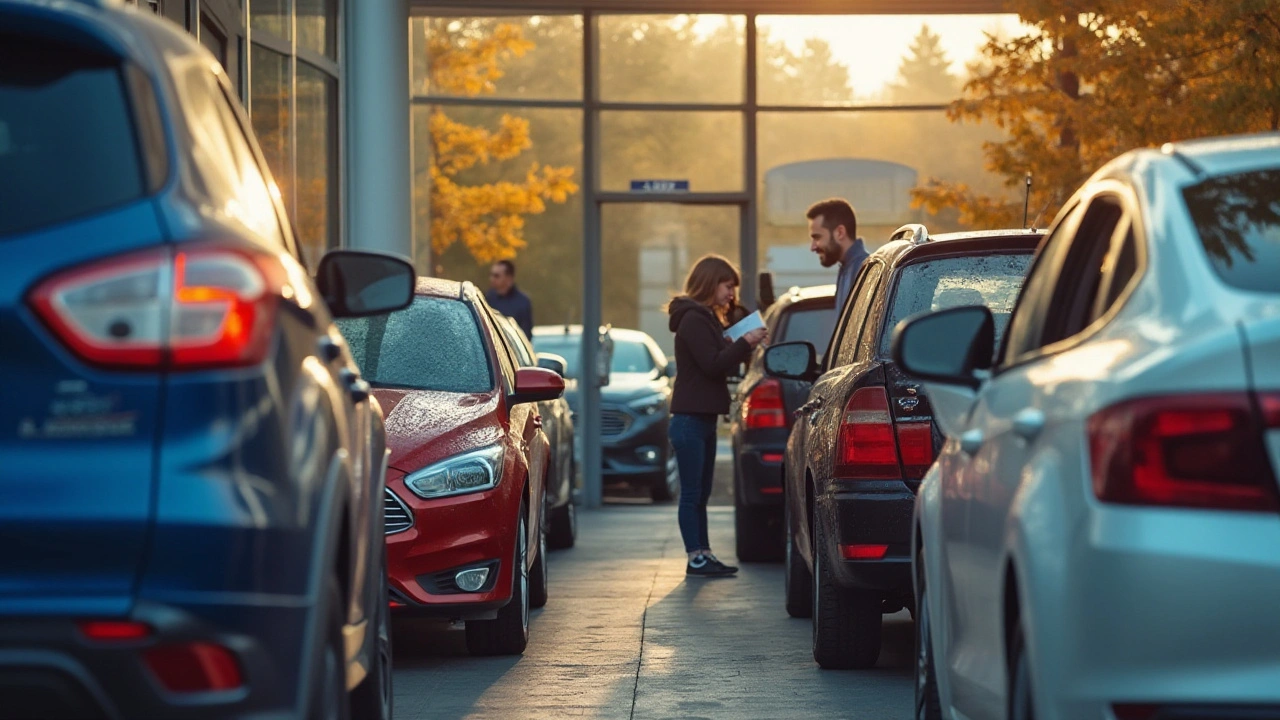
column 625, row 387
column 425, row 427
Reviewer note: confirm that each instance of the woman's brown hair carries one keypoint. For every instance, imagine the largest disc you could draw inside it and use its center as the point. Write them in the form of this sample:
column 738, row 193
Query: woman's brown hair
column 706, row 276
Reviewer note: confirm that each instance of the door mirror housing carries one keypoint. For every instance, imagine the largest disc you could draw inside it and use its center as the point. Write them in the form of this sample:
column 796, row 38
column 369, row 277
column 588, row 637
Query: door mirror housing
column 554, row 363
column 948, row 347
column 357, row 283
column 792, row 361
column 535, row 385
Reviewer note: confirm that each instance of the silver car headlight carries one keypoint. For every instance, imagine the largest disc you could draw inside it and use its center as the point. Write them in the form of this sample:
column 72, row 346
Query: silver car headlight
column 649, row 405
column 467, row 473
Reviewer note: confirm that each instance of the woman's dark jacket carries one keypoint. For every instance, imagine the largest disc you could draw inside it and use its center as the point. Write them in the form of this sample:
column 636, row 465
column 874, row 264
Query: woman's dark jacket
column 703, row 359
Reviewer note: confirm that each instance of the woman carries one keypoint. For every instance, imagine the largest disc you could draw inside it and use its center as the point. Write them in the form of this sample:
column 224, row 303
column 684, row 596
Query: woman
column 703, row 361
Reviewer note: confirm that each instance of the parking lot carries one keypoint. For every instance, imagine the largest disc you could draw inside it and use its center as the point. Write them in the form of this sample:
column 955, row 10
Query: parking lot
column 625, row 635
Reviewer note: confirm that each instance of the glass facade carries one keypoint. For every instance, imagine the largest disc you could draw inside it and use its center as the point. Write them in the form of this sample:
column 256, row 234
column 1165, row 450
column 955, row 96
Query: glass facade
column 283, row 57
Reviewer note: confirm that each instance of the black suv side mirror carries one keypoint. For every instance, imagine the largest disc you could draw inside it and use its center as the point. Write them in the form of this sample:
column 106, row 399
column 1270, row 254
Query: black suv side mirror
column 357, row 283
column 792, row 361
column 948, row 346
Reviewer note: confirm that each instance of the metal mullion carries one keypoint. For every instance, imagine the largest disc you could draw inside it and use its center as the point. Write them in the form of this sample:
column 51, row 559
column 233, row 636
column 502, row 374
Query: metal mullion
column 494, row 102
column 672, row 107
column 271, row 42
column 851, row 108
column 319, row 61
column 748, row 244
column 592, row 265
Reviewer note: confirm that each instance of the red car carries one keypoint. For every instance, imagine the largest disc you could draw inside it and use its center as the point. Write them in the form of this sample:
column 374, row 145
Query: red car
column 466, row 484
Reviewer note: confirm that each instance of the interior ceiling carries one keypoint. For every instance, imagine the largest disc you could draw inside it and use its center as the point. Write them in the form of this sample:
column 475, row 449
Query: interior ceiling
column 764, row 7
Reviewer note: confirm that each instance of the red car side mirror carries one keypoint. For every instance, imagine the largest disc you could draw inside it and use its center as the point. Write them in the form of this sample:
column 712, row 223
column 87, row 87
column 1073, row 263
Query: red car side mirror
column 536, row 385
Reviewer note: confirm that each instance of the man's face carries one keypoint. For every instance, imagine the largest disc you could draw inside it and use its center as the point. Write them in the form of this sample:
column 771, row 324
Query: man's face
column 499, row 278
column 823, row 242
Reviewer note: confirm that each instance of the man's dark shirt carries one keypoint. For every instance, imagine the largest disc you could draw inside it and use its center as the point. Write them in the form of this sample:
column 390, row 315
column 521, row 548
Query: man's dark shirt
column 515, row 305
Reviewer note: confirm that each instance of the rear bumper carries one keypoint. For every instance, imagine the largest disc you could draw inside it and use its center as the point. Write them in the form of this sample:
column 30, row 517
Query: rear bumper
column 758, row 467
column 877, row 512
column 449, row 535
column 49, row 670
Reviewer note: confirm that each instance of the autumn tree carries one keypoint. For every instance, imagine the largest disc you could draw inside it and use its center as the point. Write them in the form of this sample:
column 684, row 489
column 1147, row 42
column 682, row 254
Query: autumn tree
column 487, row 218
column 924, row 76
column 1083, row 85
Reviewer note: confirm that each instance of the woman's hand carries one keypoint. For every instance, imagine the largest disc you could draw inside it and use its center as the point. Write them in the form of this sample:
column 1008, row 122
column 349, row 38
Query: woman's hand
column 755, row 337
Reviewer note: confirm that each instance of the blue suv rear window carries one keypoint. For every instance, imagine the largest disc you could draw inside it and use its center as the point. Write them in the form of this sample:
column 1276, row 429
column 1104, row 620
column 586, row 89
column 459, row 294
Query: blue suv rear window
column 434, row 344
column 1238, row 218
column 68, row 145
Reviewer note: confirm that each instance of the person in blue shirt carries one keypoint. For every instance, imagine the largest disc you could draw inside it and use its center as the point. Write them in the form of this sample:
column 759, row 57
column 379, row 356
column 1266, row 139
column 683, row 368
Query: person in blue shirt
column 833, row 236
column 506, row 298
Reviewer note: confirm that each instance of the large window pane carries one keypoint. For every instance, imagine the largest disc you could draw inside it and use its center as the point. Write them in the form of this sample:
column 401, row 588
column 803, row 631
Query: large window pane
column 477, row 203
column 317, row 182
column 271, row 16
column 873, row 159
column 318, row 25
column 869, row 59
column 672, row 58
column 704, row 148
column 648, row 251
column 538, row 56
column 269, row 102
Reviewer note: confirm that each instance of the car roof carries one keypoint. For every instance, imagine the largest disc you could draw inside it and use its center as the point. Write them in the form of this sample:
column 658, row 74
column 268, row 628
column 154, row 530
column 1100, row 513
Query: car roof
column 969, row 242
column 626, row 334
column 439, row 287
column 1227, row 155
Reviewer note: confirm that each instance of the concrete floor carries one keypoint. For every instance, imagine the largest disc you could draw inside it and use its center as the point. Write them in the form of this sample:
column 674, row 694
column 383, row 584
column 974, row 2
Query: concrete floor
column 625, row 635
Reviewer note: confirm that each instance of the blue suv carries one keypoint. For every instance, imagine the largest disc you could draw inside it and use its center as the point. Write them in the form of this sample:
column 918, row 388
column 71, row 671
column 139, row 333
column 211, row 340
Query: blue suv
column 191, row 469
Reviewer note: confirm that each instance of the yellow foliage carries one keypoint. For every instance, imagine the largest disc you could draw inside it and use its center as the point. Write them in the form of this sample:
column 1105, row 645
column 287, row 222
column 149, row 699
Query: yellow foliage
column 1084, row 85
column 487, row 218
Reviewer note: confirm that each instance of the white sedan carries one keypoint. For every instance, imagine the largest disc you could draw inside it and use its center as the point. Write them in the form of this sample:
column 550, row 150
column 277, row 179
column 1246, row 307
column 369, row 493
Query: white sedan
column 1100, row 537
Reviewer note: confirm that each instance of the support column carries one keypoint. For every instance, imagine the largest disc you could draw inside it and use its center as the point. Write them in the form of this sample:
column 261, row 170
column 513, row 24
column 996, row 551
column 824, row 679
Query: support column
column 748, row 243
column 379, row 151
column 592, row 270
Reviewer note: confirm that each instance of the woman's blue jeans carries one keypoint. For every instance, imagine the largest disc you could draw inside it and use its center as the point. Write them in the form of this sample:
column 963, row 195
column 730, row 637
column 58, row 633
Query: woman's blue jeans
column 694, row 440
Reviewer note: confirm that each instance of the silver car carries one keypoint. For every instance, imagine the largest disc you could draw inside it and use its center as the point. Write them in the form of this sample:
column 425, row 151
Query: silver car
column 1100, row 537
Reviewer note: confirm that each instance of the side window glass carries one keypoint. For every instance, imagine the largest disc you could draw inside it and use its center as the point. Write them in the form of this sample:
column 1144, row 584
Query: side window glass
column 1082, row 273
column 856, row 316
column 1026, row 324
column 505, row 360
column 1118, row 270
column 219, row 151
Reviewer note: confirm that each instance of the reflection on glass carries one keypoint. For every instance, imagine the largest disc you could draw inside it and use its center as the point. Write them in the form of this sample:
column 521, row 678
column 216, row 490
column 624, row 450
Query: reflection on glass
column 317, row 25
column 648, row 251
column 271, row 16
column 873, row 159
column 538, row 56
column 1238, row 219
column 847, row 59
column 672, row 58
column 704, row 148
column 549, row 265
column 270, row 112
column 317, row 163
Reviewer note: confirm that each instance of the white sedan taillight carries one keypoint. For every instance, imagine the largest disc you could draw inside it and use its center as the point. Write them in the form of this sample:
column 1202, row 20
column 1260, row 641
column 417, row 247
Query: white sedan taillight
column 181, row 308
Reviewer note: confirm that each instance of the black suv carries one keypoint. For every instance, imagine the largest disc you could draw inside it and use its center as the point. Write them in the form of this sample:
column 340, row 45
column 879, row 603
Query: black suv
column 862, row 442
column 763, row 411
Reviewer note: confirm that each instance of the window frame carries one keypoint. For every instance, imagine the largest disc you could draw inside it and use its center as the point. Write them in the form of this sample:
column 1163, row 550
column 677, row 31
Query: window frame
column 872, row 265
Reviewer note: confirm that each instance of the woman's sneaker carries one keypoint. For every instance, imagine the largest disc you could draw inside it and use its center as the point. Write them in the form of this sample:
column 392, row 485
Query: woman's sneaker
column 708, row 566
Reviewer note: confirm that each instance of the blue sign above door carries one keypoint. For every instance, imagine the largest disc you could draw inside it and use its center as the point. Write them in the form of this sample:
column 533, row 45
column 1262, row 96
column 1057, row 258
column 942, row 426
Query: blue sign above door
column 659, row 186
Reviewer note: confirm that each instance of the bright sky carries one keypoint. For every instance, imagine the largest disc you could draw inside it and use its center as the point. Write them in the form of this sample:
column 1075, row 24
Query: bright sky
column 871, row 46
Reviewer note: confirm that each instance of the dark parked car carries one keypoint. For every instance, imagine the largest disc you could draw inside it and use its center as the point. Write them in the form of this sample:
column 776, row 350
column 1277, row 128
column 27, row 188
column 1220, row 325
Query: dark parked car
column 862, row 442
column 191, row 497
column 764, row 408
column 557, row 422
column 635, row 406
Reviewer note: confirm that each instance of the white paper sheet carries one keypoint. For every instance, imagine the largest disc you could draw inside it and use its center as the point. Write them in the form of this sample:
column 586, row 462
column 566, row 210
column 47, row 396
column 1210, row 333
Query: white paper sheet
column 744, row 326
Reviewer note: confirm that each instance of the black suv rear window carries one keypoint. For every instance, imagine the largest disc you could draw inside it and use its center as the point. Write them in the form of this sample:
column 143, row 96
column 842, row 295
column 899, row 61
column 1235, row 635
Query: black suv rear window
column 809, row 323
column 67, row 141
column 990, row 280
column 1238, row 218
column 434, row 344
